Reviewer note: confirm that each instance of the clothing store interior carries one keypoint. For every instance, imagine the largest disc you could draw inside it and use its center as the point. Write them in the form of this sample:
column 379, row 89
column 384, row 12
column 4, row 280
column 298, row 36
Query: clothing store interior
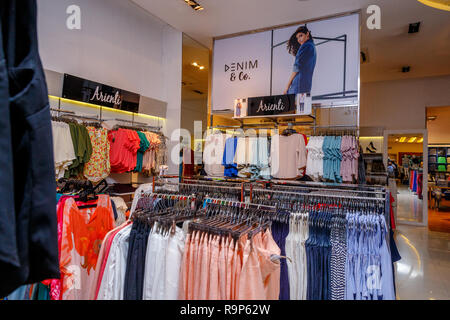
column 216, row 150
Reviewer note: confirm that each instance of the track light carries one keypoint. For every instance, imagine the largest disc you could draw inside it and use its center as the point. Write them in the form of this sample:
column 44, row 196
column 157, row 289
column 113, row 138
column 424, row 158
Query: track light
column 195, row 64
column 194, row 5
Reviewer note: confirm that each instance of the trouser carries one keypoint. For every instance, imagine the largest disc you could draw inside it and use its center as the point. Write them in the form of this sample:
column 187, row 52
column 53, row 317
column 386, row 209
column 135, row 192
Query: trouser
column 279, row 232
column 28, row 231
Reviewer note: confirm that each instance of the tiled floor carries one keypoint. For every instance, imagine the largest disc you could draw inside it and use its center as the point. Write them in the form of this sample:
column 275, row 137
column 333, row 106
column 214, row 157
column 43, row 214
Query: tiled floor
column 409, row 206
column 423, row 273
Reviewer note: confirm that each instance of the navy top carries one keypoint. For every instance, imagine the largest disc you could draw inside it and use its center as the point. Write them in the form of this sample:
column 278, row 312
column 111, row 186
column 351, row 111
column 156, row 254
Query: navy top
column 305, row 63
column 228, row 158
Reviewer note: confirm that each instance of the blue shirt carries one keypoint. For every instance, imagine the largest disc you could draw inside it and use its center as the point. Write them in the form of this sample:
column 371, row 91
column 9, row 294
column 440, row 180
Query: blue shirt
column 228, row 158
column 305, row 63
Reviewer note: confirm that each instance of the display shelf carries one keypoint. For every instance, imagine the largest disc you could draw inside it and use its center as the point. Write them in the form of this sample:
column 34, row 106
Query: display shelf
column 280, row 118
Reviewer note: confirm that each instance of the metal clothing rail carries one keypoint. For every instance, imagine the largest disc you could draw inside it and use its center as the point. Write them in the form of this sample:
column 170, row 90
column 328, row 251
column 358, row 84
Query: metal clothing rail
column 240, row 204
column 241, row 188
column 318, row 195
column 72, row 114
column 326, row 184
column 329, row 189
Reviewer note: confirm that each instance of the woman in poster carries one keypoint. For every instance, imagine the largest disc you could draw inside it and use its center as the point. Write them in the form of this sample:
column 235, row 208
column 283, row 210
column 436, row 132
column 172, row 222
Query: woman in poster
column 302, row 46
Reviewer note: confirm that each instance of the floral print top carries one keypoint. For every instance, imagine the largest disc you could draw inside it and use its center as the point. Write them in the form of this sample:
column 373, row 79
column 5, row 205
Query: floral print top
column 98, row 167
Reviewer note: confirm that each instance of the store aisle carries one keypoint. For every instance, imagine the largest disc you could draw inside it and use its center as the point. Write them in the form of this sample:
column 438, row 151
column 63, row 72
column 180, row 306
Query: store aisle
column 423, row 273
column 409, row 206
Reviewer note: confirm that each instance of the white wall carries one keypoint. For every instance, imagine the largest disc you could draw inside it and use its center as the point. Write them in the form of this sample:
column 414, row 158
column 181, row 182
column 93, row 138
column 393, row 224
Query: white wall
column 401, row 104
column 194, row 110
column 119, row 44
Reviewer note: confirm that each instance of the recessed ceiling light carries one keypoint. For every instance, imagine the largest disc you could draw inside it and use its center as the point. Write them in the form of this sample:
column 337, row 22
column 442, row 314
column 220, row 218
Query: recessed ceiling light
column 414, row 27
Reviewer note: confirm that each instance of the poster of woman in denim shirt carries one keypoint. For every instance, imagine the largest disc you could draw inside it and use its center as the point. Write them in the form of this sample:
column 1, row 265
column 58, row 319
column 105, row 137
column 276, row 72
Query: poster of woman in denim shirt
column 302, row 46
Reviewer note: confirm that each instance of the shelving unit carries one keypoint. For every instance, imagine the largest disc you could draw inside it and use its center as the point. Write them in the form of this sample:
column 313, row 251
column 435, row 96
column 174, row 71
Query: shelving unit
column 439, row 161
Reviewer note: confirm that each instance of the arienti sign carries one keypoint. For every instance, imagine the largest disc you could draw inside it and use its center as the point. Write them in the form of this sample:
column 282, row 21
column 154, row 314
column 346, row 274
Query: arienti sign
column 272, row 105
column 97, row 93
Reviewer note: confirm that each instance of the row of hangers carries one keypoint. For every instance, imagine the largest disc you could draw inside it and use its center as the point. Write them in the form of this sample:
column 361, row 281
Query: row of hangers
column 232, row 219
column 83, row 189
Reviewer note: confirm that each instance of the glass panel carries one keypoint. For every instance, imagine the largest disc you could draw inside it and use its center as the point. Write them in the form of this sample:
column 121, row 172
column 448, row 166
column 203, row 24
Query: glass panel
column 406, row 180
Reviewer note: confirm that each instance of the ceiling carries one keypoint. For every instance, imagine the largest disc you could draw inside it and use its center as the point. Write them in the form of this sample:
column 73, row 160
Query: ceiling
column 194, row 80
column 390, row 48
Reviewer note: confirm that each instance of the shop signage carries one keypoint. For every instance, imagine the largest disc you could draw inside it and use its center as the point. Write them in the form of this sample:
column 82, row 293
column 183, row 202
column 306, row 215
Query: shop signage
column 261, row 64
column 272, row 105
column 97, row 93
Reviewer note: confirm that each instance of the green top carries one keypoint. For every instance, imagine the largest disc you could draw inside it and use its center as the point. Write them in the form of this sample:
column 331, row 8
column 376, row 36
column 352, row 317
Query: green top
column 144, row 145
column 83, row 149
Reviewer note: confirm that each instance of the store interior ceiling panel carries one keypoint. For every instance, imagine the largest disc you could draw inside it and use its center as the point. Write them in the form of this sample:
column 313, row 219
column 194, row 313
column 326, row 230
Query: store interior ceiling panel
column 195, row 80
column 389, row 48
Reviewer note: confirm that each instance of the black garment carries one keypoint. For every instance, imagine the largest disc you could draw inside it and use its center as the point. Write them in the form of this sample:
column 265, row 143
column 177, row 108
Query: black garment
column 131, row 263
column 395, row 255
column 361, row 168
column 279, row 233
column 135, row 270
column 26, row 156
column 114, row 209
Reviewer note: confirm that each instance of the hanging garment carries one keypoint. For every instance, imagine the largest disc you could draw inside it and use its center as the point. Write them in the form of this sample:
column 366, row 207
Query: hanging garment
column 102, row 260
column 121, row 208
column 124, row 145
column 188, row 162
column 163, row 264
column 62, row 148
column 98, row 167
column 83, row 149
column 280, row 231
column 263, row 158
column 229, row 156
column 213, row 154
column 287, row 156
column 28, row 234
column 112, row 282
column 143, row 147
column 82, row 235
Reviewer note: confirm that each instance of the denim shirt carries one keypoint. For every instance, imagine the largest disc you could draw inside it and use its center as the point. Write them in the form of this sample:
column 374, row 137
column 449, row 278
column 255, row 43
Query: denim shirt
column 305, row 63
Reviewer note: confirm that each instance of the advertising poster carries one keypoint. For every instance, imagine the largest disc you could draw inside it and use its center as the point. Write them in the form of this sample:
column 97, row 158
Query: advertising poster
column 317, row 61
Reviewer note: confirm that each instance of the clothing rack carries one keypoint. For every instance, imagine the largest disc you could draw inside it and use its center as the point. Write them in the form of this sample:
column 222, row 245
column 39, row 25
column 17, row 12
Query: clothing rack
column 73, row 115
column 318, row 195
column 241, row 188
column 330, row 189
column 240, row 204
column 138, row 125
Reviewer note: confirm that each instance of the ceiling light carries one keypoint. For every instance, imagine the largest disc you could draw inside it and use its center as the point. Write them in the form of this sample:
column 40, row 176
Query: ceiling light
column 201, row 67
column 402, row 139
column 411, row 140
column 431, row 118
column 414, row 27
column 438, row 4
column 396, row 140
column 195, row 64
column 420, row 140
column 406, row 69
column 194, row 5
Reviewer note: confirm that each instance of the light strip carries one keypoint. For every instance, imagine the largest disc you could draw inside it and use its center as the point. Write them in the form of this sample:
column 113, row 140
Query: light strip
column 90, row 105
column 435, row 4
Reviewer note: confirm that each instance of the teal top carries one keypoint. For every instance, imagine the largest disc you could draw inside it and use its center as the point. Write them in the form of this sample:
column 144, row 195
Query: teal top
column 144, row 145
